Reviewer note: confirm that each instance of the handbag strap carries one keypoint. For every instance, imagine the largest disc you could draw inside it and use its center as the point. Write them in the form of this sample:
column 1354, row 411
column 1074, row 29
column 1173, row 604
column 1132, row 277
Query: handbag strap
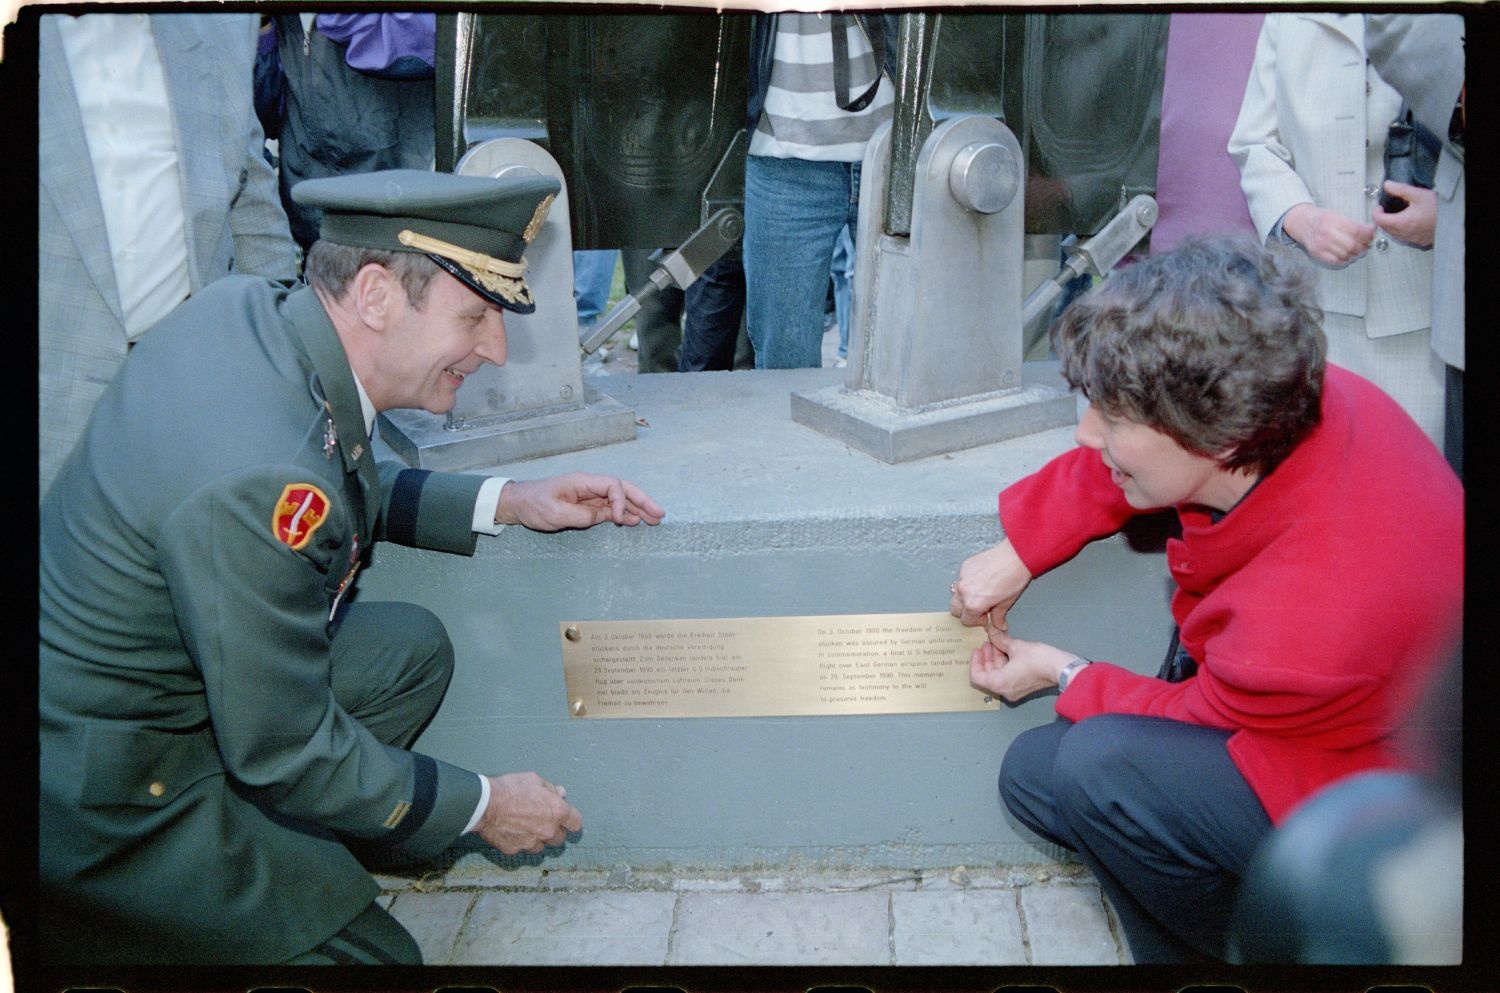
column 839, row 25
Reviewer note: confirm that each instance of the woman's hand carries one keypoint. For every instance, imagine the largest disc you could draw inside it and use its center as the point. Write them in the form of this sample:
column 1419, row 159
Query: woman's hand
column 1417, row 222
column 1013, row 669
column 1329, row 237
column 988, row 585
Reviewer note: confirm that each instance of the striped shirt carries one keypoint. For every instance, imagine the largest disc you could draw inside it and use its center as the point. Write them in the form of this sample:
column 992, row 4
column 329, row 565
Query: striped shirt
column 802, row 118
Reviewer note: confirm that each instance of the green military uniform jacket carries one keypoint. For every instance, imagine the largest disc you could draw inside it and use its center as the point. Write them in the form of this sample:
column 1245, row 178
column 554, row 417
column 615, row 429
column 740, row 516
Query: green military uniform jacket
column 194, row 764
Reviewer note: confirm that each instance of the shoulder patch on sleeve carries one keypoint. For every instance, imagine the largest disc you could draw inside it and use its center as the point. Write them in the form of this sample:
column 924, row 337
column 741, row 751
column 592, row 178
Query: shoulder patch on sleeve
column 300, row 511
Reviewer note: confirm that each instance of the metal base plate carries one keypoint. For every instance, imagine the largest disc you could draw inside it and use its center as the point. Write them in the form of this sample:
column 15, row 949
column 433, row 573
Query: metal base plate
column 874, row 424
column 423, row 440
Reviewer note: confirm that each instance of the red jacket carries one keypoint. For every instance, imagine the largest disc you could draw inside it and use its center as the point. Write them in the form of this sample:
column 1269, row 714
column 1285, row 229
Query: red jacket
column 1314, row 609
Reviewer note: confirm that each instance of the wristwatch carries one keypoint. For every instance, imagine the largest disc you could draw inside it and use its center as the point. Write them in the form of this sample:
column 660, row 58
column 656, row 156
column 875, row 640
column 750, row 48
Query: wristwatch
column 1068, row 672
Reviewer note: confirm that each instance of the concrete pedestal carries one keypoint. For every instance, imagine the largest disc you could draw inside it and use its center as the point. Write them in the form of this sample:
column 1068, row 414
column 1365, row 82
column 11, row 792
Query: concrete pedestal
column 424, row 441
column 765, row 517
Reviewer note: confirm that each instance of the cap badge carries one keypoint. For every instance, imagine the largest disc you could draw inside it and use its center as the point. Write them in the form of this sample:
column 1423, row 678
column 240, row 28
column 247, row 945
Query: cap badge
column 537, row 218
column 300, row 511
column 496, row 275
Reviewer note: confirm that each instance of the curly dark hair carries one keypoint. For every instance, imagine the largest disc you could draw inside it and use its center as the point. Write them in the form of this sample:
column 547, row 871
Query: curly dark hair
column 1218, row 344
column 330, row 266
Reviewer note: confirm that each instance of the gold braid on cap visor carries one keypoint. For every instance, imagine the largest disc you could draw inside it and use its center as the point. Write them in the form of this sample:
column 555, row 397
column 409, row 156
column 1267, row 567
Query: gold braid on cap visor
column 495, row 275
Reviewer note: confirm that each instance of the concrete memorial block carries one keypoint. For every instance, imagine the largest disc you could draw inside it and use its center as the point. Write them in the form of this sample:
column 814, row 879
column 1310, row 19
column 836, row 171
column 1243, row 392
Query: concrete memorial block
column 765, row 518
column 536, row 404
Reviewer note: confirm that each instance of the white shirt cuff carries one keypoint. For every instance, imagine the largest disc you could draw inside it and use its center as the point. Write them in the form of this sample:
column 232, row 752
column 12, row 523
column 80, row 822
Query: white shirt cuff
column 486, row 504
column 484, row 801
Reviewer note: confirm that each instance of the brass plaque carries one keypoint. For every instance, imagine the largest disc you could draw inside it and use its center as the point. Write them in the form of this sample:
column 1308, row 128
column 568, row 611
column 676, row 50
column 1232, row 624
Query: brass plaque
column 771, row 666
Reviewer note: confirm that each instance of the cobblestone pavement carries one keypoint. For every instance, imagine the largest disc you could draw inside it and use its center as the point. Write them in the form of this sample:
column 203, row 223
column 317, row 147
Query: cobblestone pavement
column 1032, row 915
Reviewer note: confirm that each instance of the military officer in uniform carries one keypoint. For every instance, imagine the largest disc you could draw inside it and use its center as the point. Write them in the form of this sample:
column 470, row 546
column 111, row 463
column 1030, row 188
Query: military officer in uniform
column 219, row 725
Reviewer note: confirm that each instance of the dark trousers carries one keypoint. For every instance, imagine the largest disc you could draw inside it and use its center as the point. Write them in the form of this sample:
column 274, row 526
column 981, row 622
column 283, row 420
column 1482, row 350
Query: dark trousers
column 391, row 663
column 372, row 938
column 658, row 326
column 713, row 326
column 1159, row 813
column 1453, row 420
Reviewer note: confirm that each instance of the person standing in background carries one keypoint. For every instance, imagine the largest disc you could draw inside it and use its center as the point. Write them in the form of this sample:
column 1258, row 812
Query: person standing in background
column 357, row 96
column 1310, row 142
column 1209, row 55
column 816, row 98
column 1423, row 58
column 152, row 183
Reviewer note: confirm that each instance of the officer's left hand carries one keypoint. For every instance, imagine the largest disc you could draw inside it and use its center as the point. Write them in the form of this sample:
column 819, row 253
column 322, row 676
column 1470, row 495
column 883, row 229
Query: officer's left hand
column 576, row 500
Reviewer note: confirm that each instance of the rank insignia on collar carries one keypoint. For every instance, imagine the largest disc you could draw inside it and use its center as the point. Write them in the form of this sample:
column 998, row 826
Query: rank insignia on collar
column 300, row 510
column 330, row 439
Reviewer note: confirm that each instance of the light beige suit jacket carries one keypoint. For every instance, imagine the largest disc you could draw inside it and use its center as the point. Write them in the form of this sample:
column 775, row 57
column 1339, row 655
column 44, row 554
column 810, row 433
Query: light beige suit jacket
column 1312, row 129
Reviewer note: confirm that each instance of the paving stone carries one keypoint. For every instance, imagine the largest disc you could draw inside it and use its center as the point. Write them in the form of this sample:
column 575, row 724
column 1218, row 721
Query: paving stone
column 977, row 927
column 434, row 920
column 843, row 882
column 701, row 884
column 575, row 880
column 393, row 883
column 782, row 929
column 474, row 869
column 1067, row 925
column 598, row 928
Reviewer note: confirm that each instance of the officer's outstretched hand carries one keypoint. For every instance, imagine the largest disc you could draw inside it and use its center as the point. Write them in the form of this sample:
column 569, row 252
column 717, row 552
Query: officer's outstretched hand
column 526, row 813
column 576, row 500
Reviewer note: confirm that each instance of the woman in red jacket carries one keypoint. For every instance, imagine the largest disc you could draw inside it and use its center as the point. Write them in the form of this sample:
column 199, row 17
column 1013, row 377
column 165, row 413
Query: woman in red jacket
column 1319, row 577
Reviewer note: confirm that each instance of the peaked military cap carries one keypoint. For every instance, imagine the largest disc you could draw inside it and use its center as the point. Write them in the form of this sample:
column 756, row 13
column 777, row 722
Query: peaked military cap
column 475, row 227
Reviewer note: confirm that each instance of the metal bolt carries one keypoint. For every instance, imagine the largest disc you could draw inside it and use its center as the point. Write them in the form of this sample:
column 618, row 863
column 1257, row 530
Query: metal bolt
column 578, row 708
column 984, row 177
column 572, row 633
column 513, row 169
column 566, row 392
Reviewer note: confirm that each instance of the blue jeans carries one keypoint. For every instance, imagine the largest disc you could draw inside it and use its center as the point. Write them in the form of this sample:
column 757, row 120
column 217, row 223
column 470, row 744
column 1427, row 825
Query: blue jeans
column 593, row 272
column 794, row 212
column 843, row 281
